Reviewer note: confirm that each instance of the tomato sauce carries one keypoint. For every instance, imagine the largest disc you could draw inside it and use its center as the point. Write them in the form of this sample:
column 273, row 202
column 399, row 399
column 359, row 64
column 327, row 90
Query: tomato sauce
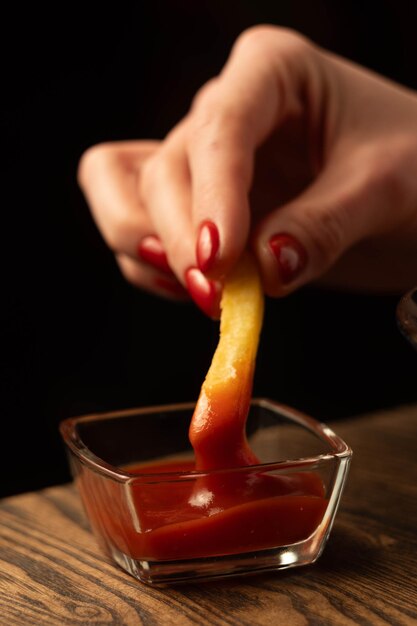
column 228, row 513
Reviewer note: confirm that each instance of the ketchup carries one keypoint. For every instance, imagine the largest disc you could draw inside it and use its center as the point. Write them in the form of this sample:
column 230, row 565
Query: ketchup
column 233, row 512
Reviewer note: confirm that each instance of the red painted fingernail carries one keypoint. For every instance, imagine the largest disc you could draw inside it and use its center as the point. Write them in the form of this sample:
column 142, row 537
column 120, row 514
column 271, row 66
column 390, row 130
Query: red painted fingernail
column 207, row 246
column 290, row 255
column 173, row 287
column 151, row 250
column 203, row 291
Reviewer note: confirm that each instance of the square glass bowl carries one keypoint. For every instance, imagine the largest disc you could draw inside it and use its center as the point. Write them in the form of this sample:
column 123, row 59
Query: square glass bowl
column 183, row 525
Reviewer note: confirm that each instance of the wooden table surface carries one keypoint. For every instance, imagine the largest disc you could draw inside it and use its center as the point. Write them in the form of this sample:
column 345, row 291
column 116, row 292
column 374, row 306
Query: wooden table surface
column 51, row 571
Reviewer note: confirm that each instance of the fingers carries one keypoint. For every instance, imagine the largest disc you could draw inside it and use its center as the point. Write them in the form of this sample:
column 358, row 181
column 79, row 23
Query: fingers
column 196, row 187
column 166, row 191
column 146, row 278
column 183, row 205
column 302, row 240
column 109, row 176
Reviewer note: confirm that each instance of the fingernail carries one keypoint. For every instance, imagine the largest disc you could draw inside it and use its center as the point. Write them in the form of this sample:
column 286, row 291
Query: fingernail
column 151, row 250
column 203, row 291
column 290, row 255
column 172, row 287
column 207, row 245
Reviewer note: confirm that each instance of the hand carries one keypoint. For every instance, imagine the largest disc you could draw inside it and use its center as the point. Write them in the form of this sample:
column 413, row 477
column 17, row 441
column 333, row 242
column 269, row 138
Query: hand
column 303, row 156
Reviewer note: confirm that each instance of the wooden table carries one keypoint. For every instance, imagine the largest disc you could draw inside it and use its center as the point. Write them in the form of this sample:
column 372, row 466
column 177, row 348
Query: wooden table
column 51, row 571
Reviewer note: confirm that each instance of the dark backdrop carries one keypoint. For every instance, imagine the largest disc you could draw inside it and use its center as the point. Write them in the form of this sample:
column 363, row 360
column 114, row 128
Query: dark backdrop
column 74, row 336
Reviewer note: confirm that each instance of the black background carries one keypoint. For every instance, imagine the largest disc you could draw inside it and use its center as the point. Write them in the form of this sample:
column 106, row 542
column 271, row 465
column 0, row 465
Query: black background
column 74, row 336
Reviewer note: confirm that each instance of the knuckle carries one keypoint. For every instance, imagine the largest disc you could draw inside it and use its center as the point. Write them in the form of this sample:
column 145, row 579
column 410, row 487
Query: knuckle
column 265, row 38
column 256, row 37
column 93, row 157
column 293, row 43
column 205, row 94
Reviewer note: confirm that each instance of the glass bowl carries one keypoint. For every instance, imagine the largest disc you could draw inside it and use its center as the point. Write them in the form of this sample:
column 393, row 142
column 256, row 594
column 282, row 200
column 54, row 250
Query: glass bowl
column 183, row 525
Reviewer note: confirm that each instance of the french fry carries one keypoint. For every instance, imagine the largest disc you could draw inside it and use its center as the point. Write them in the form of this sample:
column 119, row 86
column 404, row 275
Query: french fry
column 217, row 431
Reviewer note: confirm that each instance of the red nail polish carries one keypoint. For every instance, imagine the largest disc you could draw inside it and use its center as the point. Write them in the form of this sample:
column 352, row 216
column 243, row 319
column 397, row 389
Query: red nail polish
column 203, row 291
column 174, row 288
column 207, row 246
column 151, row 250
column 290, row 255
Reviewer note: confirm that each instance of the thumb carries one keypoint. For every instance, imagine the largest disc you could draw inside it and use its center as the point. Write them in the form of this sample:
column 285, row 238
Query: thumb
column 300, row 241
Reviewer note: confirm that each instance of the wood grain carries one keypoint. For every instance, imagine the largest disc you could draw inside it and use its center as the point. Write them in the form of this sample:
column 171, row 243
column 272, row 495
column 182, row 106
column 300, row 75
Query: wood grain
column 52, row 572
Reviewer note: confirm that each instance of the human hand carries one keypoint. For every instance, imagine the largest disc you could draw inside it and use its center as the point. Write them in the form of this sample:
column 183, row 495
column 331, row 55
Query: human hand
column 303, row 156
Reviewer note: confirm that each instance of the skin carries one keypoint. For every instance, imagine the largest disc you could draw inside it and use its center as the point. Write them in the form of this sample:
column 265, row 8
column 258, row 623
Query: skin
column 288, row 138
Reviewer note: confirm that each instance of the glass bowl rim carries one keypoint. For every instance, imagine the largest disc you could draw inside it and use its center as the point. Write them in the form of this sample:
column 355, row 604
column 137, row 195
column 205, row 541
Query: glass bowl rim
column 338, row 447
